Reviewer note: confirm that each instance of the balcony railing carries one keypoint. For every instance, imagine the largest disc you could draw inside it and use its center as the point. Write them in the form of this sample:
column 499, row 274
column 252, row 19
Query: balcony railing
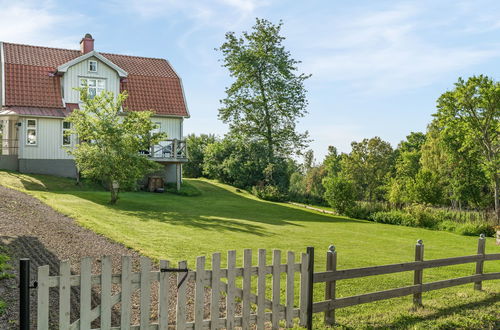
column 9, row 147
column 168, row 150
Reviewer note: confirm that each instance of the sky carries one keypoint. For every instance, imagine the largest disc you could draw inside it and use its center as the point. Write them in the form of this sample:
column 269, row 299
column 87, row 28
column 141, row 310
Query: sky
column 377, row 66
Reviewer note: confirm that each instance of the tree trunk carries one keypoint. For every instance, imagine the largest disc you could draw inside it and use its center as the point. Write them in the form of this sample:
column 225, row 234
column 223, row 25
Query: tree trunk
column 496, row 180
column 114, row 188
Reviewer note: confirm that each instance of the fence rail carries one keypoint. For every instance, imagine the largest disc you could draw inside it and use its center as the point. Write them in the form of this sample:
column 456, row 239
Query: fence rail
column 332, row 275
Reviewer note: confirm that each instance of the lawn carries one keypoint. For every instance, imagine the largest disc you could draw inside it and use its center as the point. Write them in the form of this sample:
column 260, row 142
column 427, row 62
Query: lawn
column 175, row 227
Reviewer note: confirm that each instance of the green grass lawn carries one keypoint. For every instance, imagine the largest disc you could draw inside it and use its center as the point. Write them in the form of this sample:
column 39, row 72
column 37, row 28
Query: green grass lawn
column 176, row 227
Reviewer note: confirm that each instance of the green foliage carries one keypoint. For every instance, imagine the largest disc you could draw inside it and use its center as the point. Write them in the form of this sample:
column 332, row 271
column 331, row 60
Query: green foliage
column 469, row 119
column 267, row 96
column 394, row 217
column 340, row 193
column 187, row 189
column 110, row 141
column 196, row 146
column 427, row 188
column 369, row 166
column 269, row 192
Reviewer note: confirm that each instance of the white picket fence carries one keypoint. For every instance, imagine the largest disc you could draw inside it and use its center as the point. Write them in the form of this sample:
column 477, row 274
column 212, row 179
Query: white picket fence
column 246, row 307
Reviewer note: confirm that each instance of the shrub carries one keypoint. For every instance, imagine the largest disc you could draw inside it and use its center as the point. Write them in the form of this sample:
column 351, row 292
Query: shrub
column 475, row 229
column 269, row 193
column 395, row 217
column 340, row 194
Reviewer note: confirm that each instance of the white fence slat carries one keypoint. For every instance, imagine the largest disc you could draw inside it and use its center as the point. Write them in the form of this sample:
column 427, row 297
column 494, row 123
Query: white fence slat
column 303, row 290
column 85, row 293
column 64, row 294
column 126, row 293
column 214, row 304
column 43, row 297
column 290, row 294
column 106, row 275
column 145, row 292
column 163, row 294
column 276, row 288
column 261, row 290
column 181, row 299
column 199, row 299
column 247, row 287
column 231, row 289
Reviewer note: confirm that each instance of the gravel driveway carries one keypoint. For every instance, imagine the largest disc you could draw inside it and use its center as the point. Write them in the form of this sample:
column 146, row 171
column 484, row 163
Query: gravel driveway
column 31, row 229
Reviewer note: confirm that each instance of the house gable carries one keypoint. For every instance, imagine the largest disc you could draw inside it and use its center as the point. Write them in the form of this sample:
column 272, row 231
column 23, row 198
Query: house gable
column 74, row 73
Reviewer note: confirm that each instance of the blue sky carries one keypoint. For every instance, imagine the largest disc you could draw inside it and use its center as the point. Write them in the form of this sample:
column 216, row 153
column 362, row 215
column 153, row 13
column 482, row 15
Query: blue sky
column 377, row 66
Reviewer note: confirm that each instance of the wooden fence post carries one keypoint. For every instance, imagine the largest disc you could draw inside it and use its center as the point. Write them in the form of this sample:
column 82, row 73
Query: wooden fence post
column 331, row 265
column 418, row 277
column 479, row 265
column 310, row 274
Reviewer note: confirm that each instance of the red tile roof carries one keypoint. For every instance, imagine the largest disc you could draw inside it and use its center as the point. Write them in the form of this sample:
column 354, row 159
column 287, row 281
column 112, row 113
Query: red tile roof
column 152, row 84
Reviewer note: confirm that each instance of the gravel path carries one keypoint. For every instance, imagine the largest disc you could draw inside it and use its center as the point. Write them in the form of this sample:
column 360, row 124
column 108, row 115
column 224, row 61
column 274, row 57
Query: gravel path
column 31, row 229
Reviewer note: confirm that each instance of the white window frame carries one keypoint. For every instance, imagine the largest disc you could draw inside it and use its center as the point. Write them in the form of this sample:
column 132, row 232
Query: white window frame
column 28, row 129
column 90, row 65
column 63, row 130
column 98, row 90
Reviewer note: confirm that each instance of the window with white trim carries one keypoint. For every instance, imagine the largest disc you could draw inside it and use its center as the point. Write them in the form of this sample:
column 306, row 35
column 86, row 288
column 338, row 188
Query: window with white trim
column 92, row 66
column 31, row 132
column 94, row 86
column 66, row 136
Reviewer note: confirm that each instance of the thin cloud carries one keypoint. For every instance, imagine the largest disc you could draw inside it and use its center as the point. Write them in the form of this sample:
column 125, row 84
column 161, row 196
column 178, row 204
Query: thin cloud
column 35, row 23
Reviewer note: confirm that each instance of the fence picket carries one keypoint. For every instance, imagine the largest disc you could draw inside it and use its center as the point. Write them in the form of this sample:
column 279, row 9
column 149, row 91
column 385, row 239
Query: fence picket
column 85, row 293
column 261, row 290
column 247, row 287
column 64, row 294
column 418, row 275
column 43, row 297
column 199, row 302
column 231, row 289
column 145, row 292
column 214, row 304
column 181, row 298
column 276, row 288
column 163, row 293
column 290, row 294
column 480, row 263
column 126, row 293
column 330, row 287
column 303, row 289
column 106, row 275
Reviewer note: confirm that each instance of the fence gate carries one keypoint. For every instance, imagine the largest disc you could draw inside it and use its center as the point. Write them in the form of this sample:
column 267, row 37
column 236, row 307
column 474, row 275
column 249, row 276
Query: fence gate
column 200, row 298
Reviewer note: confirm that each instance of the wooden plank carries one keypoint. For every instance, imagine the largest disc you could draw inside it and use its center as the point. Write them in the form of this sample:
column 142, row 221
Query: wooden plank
column 64, row 294
column 399, row 292
column 199, row 299
column 393, row 268
column 261, row 290
column 43, row 297
column 303, row 289
column 145, row 292
column 247, row 287
column 126, row 292
column 164, row 290
column 215, row 299
column 418, row 276
column 181, row 299
column 231, row 289
column 276, row 289
column 290, row 293
column 330, row 287
column 85, row 292
column 106, row 275
column 480, row 263
column 492, row 256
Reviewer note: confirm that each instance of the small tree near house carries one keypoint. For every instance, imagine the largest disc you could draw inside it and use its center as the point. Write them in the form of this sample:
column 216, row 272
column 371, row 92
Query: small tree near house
column 110, row 141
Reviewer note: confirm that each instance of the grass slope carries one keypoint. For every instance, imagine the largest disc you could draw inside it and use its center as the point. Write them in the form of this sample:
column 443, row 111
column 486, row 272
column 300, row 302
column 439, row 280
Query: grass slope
column 176, row 227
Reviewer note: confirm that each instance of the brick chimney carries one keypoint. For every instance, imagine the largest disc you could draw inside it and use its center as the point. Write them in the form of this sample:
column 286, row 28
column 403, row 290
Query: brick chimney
column 87, row 44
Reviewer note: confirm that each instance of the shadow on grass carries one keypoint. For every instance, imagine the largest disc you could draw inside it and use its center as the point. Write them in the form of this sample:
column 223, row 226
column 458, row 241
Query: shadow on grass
column 216, row 209
column 408, row 320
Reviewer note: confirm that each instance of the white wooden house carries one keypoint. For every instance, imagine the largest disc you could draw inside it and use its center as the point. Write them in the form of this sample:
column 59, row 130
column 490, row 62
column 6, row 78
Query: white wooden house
column 37, row 92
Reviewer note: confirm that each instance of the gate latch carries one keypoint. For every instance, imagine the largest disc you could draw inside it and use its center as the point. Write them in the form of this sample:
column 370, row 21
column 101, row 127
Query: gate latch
column 177, row 270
